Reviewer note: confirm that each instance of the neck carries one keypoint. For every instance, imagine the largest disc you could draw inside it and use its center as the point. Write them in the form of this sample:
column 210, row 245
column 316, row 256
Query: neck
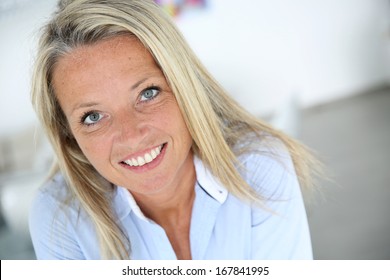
column 174, row 205
column 172, row 212
column 172, row 209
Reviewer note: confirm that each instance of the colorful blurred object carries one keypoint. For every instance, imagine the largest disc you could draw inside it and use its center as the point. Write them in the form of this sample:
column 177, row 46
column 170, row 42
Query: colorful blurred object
column 176, row 7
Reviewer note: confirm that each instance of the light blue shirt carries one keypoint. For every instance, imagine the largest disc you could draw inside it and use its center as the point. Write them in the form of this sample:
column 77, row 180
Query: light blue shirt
column 222, row 226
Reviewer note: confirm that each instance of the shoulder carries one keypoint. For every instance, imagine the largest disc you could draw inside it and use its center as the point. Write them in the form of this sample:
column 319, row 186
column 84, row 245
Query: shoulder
column 268, row 167
column 54, row 193
column 53, row 202
column 280, row 229
column 53, row 221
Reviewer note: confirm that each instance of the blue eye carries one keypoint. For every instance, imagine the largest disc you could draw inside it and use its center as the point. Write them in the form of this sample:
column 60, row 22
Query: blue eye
column 149, row 94
column 91, row 118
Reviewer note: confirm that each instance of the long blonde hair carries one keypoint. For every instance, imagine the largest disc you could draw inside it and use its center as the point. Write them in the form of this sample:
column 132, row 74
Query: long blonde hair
column 215, row 121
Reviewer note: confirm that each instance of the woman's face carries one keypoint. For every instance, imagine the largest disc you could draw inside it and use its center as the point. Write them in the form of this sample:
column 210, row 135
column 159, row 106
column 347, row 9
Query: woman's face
column 123, row 115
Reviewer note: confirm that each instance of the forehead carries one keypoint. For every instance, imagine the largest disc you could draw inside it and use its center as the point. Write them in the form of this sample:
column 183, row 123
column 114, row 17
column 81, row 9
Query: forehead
column 123, row 46
column 105, row 59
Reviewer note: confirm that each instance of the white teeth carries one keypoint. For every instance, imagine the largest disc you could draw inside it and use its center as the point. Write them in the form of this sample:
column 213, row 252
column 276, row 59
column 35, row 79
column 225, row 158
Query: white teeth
column 134, row 162
column 154, row 154
column 148, row 157
column 141, row 161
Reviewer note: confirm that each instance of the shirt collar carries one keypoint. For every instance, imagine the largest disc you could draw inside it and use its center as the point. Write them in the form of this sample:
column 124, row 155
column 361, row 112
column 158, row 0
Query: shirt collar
column 206, row 181
column 131, row 204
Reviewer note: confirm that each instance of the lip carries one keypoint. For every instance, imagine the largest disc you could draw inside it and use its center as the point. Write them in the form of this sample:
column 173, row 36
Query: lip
column 148, row 166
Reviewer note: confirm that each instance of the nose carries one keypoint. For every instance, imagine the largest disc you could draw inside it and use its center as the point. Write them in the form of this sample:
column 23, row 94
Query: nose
column 130, row 129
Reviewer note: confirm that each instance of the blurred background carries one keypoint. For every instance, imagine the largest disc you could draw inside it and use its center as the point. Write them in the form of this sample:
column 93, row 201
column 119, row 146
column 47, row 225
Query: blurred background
column 317, row 69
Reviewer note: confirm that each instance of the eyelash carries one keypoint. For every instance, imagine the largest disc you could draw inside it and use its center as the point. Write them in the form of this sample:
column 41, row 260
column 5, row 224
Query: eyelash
column 150, row 88
column 85, row 116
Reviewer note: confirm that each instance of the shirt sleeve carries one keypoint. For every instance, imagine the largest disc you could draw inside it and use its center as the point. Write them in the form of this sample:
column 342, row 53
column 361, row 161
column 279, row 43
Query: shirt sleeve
column 52, row 231
column 279, row 228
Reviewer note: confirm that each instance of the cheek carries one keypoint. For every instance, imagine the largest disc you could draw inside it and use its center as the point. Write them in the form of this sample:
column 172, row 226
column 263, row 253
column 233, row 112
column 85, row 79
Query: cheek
column 97, row 151
column 171, row 119
column 179, row 127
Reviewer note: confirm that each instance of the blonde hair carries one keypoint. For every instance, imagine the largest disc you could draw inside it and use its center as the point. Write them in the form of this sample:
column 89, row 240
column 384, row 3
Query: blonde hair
column 216, row 122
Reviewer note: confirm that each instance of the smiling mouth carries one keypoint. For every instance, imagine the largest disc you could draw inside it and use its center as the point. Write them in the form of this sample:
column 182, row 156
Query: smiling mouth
column 148, row 157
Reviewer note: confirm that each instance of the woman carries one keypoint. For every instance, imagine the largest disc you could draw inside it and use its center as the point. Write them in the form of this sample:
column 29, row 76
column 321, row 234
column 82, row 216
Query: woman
column 153, row 159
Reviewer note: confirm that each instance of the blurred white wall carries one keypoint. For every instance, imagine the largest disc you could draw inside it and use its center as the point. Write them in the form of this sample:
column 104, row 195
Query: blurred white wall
column 20, row 21
column 261, row 51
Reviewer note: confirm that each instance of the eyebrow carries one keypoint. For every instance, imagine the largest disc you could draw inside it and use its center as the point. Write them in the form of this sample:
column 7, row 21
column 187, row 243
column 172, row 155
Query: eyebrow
column 133, row 87
column 85, row 105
